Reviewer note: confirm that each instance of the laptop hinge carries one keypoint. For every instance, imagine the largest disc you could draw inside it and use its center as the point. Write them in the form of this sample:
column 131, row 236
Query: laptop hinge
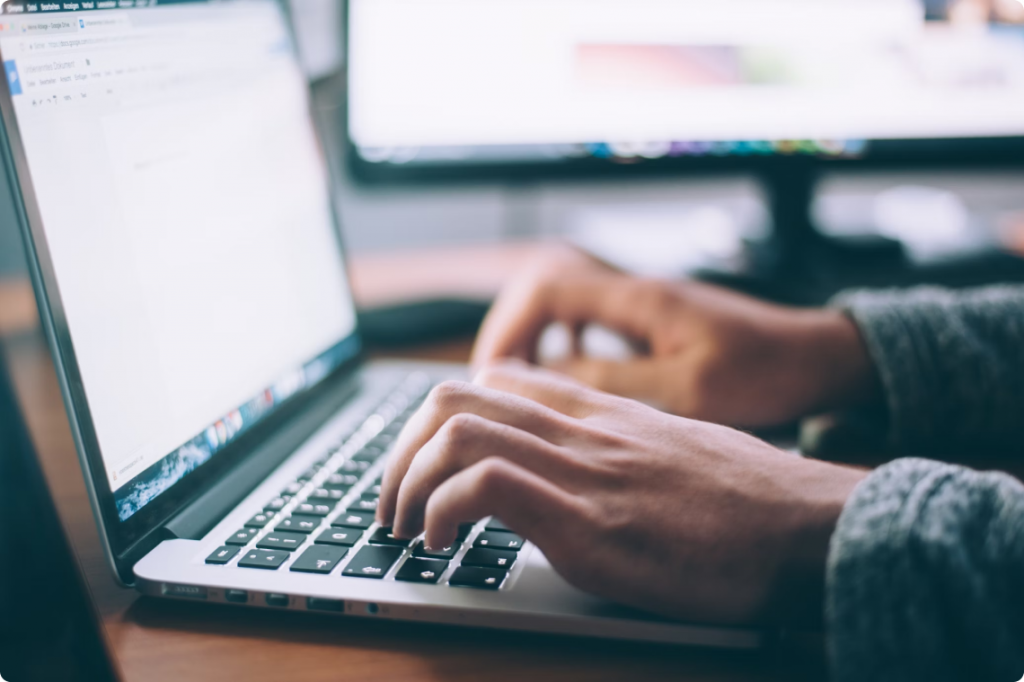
column 207, row 510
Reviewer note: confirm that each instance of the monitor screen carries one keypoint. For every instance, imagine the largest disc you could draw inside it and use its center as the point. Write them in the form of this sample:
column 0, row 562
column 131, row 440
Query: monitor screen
column 184, row 203
column 524, row 81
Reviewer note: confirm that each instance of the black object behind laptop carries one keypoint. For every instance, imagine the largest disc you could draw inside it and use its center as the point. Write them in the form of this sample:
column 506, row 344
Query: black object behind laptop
column 49, row 629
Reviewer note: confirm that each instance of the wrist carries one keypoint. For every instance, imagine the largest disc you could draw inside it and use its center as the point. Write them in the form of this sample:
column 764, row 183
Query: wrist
column 798, row 595
column 834, row 354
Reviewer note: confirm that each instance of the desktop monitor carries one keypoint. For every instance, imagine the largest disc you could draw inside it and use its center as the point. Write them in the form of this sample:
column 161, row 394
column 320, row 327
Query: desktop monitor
column 464, row 87
column 541, row 89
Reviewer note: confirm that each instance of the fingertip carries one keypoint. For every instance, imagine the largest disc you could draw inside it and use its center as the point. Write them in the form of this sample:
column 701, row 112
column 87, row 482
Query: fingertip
column 434, row 538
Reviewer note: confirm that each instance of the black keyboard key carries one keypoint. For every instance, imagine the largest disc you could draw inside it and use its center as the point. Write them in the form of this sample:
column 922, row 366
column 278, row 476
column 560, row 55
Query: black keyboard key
column 222, row 555
column 436, row 553
column 342, row 537
column 310, row 472
column 496, row 540
column 382, row 442
column 325, row 495
column 319, row 559
column 372, row 562
column 364, row 505
column 353, row 467
column 464, row 530
column 373, row 490
column 313, row 509
column 421, row 570
column 292, row 488
column 368, row 454
column 482, row 578
column 297, row 523
column 258, row 521
column 275, row 505
column 383, row 536
column 351, row 519
column 278, row 540
column 498, row 525
column 262, row 558
column 489, row 558
column 395, row 427
column 341, row 481
column 242, row 537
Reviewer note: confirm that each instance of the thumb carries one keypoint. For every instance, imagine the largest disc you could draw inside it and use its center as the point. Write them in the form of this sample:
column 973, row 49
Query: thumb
column 642, row 379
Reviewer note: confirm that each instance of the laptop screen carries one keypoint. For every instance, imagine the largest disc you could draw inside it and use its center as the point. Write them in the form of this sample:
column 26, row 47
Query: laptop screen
column 185, row 205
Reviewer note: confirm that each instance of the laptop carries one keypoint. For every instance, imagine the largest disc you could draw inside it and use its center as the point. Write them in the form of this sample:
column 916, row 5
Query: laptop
column 181, row 233
column 49, row 629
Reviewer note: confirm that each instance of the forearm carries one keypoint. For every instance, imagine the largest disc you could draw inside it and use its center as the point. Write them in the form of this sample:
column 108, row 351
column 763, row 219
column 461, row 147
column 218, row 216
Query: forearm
column 951, row 364
column 926, row 576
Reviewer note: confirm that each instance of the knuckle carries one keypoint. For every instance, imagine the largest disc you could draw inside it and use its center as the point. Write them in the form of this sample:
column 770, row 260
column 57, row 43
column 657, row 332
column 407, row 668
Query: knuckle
column 461, row 429
column 661, row 297
column 447, row 394
column 491, row 476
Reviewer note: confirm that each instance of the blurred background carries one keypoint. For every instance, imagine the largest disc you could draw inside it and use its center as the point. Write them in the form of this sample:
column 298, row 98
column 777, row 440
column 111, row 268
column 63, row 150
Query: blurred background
column 644, row 200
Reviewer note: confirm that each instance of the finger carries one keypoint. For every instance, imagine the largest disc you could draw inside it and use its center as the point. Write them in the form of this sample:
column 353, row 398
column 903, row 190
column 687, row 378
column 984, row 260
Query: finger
column 535, row 508
column 640, row 379
column 462, row 442
column 515, row 322
column 452, row 398
column 554, row 390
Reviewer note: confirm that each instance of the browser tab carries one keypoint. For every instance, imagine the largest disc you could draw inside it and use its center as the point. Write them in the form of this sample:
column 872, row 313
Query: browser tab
column 48, row 26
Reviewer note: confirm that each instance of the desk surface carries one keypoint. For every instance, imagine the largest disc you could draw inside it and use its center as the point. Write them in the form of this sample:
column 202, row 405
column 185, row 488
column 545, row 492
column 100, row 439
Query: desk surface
column 156, row 640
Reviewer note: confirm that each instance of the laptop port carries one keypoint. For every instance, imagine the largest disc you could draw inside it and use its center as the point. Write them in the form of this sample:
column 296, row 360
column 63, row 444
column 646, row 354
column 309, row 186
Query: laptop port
column 236, row 596
column 185, row 591
column 277, row 600
column 317, row 604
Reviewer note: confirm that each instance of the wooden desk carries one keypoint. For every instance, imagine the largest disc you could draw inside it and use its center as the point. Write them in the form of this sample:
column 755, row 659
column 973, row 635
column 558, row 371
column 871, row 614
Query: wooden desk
column 156, row 640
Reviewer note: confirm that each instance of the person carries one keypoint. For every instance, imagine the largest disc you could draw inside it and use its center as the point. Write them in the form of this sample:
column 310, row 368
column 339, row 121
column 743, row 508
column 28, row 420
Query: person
column 915, row 570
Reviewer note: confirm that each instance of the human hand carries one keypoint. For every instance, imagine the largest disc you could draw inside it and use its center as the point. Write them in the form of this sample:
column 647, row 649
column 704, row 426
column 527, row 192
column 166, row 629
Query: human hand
column 711, row 354
column 687, row 519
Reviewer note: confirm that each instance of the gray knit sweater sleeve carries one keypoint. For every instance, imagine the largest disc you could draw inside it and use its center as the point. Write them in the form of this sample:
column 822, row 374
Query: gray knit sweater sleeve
column 926, row 577
column 926, row 567
column 951, row 363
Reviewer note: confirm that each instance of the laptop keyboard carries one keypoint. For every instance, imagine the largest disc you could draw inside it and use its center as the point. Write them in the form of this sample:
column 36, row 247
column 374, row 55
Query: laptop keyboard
column 323, row 522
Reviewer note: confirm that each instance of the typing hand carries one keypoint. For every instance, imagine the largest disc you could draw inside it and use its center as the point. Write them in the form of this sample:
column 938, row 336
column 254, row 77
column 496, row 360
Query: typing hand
column 679, row 517
column 710, row 354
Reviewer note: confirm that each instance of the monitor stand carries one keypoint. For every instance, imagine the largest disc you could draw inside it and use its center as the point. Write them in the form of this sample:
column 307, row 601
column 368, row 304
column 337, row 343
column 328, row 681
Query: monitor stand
column 801, row 265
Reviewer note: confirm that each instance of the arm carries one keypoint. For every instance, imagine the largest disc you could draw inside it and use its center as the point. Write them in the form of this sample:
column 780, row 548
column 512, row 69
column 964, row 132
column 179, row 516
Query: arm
column 926, row 576
column 921, row 565
column 951, row 364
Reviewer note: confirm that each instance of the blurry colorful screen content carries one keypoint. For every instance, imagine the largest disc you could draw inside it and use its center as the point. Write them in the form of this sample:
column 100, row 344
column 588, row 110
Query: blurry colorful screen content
column 459, row 80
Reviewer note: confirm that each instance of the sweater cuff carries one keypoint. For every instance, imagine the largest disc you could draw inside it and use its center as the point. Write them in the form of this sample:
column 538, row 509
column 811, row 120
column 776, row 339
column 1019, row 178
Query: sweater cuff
column 923, row 576
column 902, row 359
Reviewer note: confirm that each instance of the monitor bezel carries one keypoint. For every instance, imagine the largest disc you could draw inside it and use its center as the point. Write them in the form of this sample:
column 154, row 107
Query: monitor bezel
column 880, row 155
column 125, row 541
